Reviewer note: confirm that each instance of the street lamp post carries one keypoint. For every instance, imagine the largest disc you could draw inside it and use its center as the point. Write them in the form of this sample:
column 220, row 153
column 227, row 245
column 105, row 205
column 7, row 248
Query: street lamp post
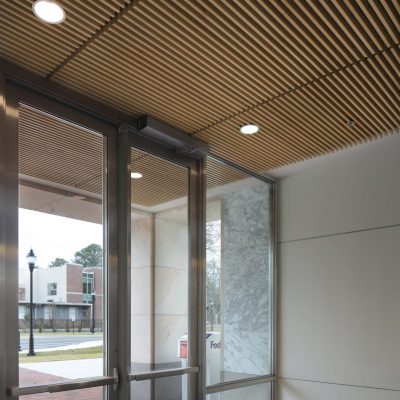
column 31, row 258
column 93, row 315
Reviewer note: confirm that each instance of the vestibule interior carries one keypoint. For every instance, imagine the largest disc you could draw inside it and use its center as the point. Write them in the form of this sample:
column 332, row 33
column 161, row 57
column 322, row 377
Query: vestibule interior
column 238, row 275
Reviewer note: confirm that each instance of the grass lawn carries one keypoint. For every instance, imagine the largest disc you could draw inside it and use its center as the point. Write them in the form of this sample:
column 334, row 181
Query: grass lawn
column 61, row 355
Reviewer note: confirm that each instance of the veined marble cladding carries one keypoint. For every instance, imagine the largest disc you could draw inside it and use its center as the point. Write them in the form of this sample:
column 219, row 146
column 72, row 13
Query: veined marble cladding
column 170, row 283
column 245, row 281
column 141, row 288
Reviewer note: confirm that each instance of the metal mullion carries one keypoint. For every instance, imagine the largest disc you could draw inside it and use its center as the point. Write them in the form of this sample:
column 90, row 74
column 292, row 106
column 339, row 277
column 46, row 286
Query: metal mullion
column 273, row 201
column 124, row 262
column 201, row 278
column 193, row 320
column 9, row 238
column 2, row 240
column 110, row 272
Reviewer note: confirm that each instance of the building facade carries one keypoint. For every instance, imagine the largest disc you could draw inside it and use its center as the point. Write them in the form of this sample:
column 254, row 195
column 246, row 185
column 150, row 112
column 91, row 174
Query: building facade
column 64, row 297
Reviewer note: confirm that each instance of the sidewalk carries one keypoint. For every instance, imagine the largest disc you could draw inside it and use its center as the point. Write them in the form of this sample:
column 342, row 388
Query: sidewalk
column 31, row 377
column 70, row 369
column 58, row 371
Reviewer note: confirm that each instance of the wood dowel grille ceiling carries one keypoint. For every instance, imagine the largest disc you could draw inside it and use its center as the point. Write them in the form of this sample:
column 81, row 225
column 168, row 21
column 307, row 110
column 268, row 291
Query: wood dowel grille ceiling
column 299, row 69
column 57, row 152
column 54, row 151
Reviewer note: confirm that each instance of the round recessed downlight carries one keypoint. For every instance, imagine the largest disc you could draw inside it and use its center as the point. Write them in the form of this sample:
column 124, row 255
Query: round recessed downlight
column 136, row 175
column 48, row 11
column 249, row 129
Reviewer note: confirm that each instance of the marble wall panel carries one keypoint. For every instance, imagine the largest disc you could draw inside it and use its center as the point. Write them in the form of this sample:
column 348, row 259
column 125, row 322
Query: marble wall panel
column 246, row 278
column 141, row 288
column 171, row 291
column 141, row 339
column 168, row 329
column 141, row 241
column 171, row 241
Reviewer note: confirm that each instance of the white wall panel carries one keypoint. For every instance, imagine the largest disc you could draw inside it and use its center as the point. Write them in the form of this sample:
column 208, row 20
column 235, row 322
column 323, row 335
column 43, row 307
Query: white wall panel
column 353, row 191
column 340, row 301
column 339, row 261
column 298, row 390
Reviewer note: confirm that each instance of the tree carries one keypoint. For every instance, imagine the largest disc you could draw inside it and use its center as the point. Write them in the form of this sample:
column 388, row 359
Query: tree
column 89, row 256
column 57, row 262
column 213, row 266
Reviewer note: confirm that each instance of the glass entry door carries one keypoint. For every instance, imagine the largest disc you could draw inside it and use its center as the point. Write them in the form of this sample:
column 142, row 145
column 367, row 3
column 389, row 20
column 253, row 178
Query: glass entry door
column 58, row 278
column 161, row 271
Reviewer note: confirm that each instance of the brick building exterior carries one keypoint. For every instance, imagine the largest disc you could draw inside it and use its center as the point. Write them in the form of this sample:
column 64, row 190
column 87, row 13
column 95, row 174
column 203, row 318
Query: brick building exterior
column 63, row 296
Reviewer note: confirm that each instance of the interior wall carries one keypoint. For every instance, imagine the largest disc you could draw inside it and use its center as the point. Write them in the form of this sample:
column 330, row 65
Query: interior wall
column 339, row 252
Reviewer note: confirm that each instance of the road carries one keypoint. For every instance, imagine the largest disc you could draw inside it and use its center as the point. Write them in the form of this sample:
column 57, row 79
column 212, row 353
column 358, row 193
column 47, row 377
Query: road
column 46, row 342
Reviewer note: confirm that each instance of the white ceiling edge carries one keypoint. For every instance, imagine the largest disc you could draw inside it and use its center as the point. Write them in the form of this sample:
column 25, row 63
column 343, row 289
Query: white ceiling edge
column 391, row 138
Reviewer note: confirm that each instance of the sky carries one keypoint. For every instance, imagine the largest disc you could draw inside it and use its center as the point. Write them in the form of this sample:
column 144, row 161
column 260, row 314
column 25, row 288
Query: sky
column 51, row 236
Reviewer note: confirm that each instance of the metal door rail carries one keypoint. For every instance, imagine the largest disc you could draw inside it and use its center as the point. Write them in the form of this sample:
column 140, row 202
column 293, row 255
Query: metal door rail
column 221, row 387
column 142, row 376
column 64, row 386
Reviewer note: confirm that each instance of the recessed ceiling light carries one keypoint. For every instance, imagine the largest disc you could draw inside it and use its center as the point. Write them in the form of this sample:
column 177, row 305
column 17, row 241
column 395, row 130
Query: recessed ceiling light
column 48, row 11
column 136, row 175
column 249, row 129
column 350, row 123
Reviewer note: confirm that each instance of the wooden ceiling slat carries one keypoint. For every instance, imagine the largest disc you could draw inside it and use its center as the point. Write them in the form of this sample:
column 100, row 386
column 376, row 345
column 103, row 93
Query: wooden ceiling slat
column 164, row 108
column 15, row 57
column 236, row 64
column 293, row 22
column 23, row 14
column 59, row 152
column 307, row 113
column 391, row 61
column 341, row 92
column 359, row 33
column 359, row 86
column 288, row 127
column 241, row 147
column 336, row 50
column 150, row 72
column 390, row 8
column 261, row 52
column 382, row 70
column 286, row 34
column 358, row 10
column 348, row 25
column 298, row 69
column 265, row 44
column 329, row 24
column 370, row 9
column 382, row 87
column 14, row 32
column 197, row 78
column 384, row 18
column 336, row 114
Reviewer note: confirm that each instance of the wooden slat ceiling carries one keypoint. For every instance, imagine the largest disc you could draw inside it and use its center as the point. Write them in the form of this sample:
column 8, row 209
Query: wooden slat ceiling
column 55, row 151
column 59, row 152
column 299, row 69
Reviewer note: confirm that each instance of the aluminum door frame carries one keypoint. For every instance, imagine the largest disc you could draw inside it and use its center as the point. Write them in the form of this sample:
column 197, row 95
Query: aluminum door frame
column 13, row 93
